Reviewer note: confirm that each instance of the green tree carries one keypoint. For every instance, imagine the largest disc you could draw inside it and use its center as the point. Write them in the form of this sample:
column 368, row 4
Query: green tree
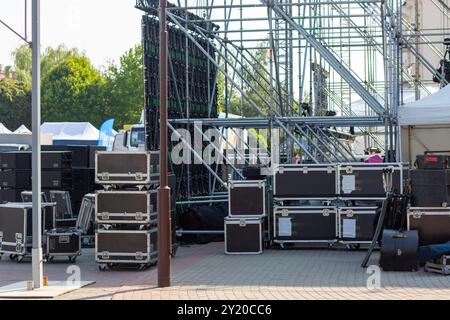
column 125, row 88
column 74, row 90
column 49, row 58
column 15, row 103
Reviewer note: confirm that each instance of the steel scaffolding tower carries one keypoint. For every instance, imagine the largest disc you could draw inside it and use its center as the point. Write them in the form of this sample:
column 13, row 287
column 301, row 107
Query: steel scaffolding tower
column 323, row 72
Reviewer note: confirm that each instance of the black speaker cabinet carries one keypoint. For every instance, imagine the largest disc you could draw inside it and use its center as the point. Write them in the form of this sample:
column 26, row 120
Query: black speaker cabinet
column 15, row 160
column 56, row 179
column 244, row 236
column 430, row 188
column 305, row 224
column 305, row 181
column 247, row 199
column 120, row 246
column 126, row 207
column 136, row 168
column 56, row 160
column 15, row 179
column 80, row 154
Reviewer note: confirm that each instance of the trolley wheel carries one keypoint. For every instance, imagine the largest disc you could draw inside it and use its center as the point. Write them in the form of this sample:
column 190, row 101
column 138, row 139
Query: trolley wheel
column 12, row 257
column 330, row 245
column 142, row 267
column 19, row 259
column 102, row 267
column 50, row 259
column 282, row 246
column 72, row 259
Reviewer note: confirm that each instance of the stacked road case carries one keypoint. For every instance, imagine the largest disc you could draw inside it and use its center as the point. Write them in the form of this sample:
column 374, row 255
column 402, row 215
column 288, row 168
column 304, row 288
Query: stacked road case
column 125, row 212
column 247, row 212
column 328, row 203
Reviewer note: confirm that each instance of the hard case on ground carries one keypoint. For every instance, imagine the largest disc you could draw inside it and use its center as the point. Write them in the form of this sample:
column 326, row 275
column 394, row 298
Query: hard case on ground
column 125, row 207
column 128, row 247
column 304, row 224
column 244, row 236
column 432, row 224
column 357, row 224
column 247, row 199
column 399, row 251
column 305, row 181
column 136, row 168
column 365, row 180
column 63, row 242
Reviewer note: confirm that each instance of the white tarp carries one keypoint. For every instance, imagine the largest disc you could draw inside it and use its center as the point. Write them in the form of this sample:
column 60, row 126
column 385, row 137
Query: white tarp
column 4, row 129
column 22, row 130
column 71, row 131
column 431, row 110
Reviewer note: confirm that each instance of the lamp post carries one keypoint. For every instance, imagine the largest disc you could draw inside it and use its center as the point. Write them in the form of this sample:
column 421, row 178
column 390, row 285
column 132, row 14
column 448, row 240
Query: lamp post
column 36, row 255
column 164, row 220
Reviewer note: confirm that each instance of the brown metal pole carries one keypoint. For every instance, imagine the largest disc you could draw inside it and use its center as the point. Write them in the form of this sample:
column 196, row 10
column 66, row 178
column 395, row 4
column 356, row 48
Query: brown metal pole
column 164, row 220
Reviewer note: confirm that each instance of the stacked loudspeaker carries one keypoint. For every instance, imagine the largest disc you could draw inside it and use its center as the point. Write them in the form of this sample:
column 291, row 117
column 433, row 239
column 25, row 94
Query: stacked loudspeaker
column 430, row 190
column 83, row 169
column 245, row 224
column 15, row 173
column 125, row 211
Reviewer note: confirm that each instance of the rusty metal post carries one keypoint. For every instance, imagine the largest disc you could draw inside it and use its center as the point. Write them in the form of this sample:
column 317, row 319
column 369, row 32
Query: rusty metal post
column 164, row 219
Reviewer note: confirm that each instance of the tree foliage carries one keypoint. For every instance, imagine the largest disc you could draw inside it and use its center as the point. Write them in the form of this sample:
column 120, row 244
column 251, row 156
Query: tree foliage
column 125, row 87
column 15, row 103
column 73, row 90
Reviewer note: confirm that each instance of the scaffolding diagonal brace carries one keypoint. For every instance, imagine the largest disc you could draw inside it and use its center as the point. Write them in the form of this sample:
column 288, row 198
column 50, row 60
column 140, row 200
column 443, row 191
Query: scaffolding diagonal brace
column 329, row 57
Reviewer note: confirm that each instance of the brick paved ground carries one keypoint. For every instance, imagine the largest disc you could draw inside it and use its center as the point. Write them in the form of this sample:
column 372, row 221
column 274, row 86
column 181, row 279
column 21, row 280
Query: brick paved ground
column 204, row 272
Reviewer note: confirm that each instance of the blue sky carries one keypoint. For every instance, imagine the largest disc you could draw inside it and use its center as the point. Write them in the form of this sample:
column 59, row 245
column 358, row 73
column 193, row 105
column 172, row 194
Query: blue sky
column 104, row 29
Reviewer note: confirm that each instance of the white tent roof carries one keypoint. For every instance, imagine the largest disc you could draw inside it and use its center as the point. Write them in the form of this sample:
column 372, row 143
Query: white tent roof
column 22, row 129
column 4, row 129
column 71, row 130
column 431, row 110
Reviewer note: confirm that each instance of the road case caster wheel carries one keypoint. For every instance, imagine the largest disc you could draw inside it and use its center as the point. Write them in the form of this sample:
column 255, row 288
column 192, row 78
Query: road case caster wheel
column 330, row 245
column 49, row 259
column 12, row 257
column 142, row 267
column 19, row 259
column 102, row 267
column 72, row 259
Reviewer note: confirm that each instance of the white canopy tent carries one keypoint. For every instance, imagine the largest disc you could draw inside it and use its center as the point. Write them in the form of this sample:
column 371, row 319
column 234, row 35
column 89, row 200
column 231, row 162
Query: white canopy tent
column 425, row 125
column 4, row 129
column 431, row 110
column 22, row 130
column 71, row 133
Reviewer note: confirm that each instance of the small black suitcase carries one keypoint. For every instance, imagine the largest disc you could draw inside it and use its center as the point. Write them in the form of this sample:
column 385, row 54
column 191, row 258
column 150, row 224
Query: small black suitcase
column 63, row 242
column 399, row 251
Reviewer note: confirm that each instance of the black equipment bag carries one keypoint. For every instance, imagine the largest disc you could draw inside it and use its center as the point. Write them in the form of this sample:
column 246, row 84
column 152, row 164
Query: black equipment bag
column 399, row 250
